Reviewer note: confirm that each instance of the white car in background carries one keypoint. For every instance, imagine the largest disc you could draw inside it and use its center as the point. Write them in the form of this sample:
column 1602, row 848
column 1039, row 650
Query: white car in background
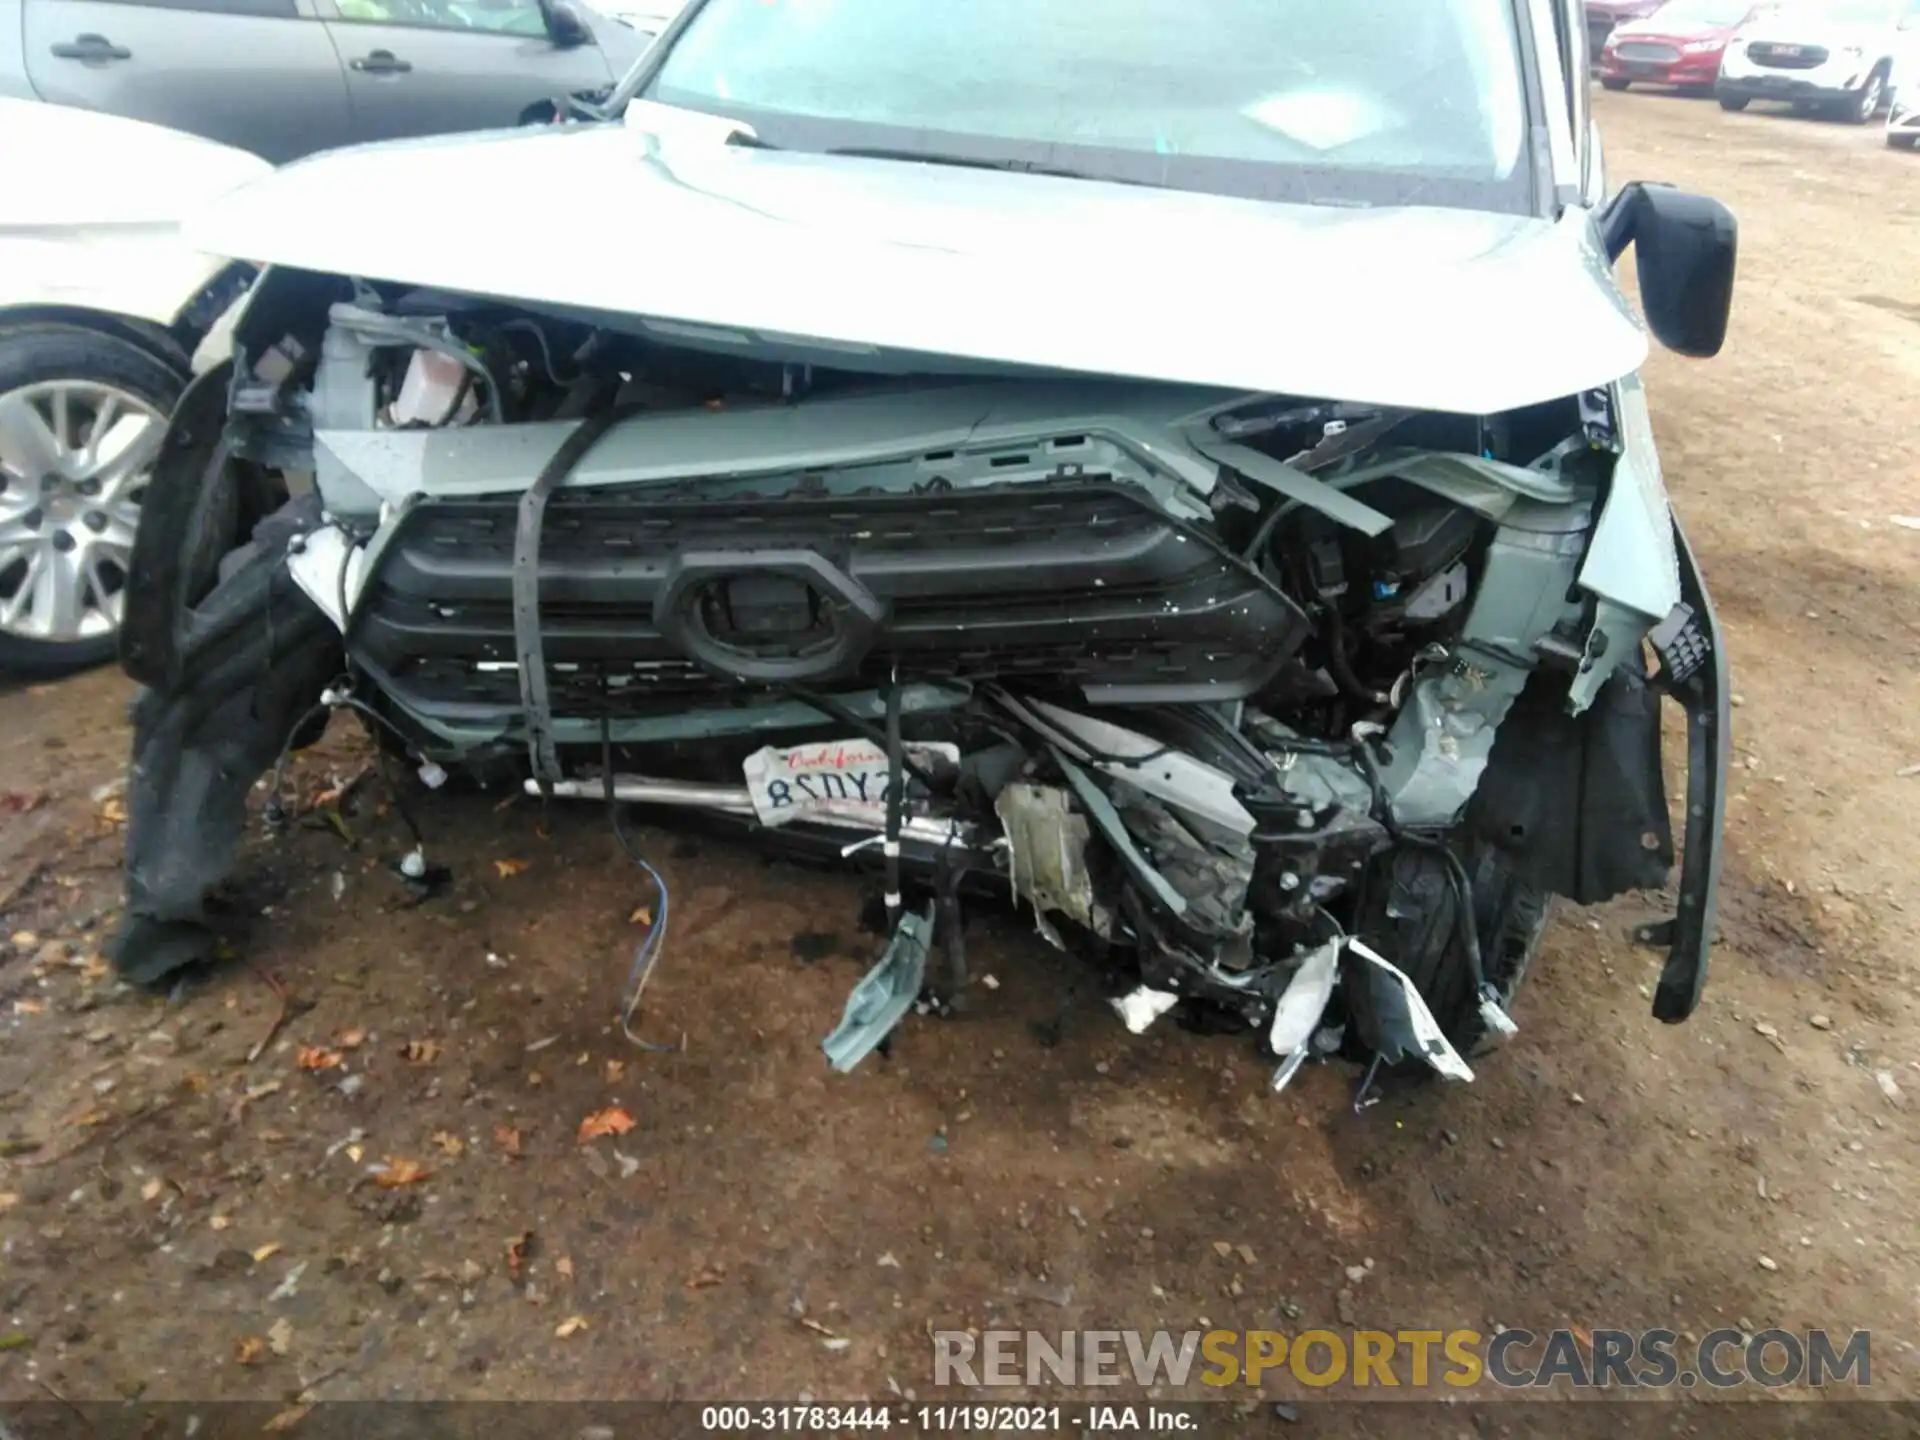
column 1834, row 57
column 101, row 305
column 1903, row 90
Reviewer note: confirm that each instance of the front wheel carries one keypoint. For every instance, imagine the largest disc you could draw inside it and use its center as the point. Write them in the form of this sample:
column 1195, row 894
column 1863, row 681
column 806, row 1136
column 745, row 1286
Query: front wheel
column 1861, row 108
column 1607, row 83
column 1901, row 139
column 82, row 415
column 1734, row 103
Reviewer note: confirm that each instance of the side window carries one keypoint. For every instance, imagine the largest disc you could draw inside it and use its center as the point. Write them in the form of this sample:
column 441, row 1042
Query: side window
column 500, row 17
column 264, row 9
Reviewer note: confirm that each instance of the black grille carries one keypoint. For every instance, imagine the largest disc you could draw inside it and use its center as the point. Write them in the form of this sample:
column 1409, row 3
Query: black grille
column 1646, row 52
column 1787, row 57
column 1076, row 583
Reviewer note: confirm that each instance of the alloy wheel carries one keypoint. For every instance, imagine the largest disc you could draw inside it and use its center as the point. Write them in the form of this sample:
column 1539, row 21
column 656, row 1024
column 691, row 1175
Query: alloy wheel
column 75, row 456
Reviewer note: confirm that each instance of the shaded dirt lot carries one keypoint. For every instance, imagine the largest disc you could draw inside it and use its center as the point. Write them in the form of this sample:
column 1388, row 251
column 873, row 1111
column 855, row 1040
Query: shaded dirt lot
column 171, row 1208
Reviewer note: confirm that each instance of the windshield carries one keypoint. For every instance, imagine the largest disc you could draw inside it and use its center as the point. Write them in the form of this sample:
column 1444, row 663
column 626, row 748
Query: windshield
column 1362, row 101
column 1724, row 13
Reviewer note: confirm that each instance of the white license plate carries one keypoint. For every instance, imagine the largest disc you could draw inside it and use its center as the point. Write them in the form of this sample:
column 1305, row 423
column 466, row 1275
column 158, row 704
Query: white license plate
column 844, row 779
column 1788, row 52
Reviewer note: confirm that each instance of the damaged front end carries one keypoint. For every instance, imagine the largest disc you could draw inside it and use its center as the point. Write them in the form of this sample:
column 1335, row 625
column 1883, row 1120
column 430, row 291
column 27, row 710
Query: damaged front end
column 1290, row 711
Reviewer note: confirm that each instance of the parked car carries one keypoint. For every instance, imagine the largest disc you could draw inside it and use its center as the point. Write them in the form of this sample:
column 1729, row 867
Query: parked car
column 1830, row 56
column 101, row 304
column 829, row 478
column 1601, row 16
column 284, row 78
column 1903, row 91
column 1680, row 45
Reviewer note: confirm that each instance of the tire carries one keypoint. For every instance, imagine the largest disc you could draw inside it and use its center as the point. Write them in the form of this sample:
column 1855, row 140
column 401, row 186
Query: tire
column 1610, row 84
column 92, row 370
column 1860, row 109
column 1734, row 103
column 1410, row 916
column 1898, row 141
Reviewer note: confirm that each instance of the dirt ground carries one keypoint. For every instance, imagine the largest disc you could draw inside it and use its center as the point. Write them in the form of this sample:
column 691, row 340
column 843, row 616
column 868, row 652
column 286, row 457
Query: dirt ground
column 171, row 1208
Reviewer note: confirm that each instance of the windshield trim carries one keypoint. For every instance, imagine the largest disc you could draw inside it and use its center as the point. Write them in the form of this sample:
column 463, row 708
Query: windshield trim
column 1530, row 190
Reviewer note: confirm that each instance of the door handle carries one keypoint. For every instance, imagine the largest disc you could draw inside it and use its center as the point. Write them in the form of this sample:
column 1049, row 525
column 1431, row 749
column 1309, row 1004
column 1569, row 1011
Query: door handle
column 91, row 48
column 381, row 62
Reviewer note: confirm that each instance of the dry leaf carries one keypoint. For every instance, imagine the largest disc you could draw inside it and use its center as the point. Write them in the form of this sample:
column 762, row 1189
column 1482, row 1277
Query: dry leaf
column 565, row 1266
column 151, row 1190
column 401, row 1172
column 94, row 969
column 354, row 1152
column 266, row 1252
column 312, row 1057
column 220, row 1222
column 28, row 1007
column 509, row 868
column 808, row 1323
column 250, row 1350
column 518, row 1250
column 8, row 1199
column 350, row 1039
column 507, row 1137
column 615, row 1070
column 450, row 1144
column 642, row 916
column 280, row 1336
column 420, row 1052
column 572, row 1325
column 286, row 1420
column 610, row 1121
column 114, row 811
column 90, row 1118
column 706, row 1277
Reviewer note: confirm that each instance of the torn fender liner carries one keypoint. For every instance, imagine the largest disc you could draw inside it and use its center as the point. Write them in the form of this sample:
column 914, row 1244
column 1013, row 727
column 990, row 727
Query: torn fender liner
column 1407, row 1028
column 253, row 663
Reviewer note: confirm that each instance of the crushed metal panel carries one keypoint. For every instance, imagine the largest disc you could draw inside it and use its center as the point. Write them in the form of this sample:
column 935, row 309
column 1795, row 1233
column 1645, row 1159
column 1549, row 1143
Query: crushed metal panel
column 881, row 1000
column 1047, row 858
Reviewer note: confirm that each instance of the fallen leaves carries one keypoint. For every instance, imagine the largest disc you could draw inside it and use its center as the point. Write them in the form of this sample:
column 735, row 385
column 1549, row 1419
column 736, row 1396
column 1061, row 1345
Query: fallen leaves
column 28, row 1007
column 450, row 1144
column 610, row 1121
column 8, row 1199
column 507, row 1137
column 706, row 1277
column 249, row 1350
column 399, row 1171
column 507, row 869
column 350, row 1039
column 642, row 916
column 564, row 1265
column 314, row 1058
column 615, row 1070
column 280, row 1336
column 286, row 1420
column 420, row 1052
column 219, row 1222
column 570, row 1326
column 266, row 1252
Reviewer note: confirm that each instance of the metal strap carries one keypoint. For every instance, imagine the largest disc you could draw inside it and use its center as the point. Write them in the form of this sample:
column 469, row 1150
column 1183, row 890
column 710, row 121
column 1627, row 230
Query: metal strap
column 535, row 701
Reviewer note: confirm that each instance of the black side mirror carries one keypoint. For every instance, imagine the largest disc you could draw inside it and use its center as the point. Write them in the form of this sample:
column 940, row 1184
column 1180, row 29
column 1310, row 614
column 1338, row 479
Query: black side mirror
column 565, row 28
column 1684, row 249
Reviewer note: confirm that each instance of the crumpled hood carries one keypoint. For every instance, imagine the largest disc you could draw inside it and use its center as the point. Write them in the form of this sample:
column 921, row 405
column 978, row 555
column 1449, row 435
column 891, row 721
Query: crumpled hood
column 1431, row 308
column 73, row 168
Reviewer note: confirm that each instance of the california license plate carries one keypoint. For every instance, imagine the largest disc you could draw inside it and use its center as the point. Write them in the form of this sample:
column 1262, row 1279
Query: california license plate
column 1788, row 52
column 843, row 779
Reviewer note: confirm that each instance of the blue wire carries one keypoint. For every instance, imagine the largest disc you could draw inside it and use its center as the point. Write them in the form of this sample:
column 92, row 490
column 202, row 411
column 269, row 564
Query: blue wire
column 645, row 957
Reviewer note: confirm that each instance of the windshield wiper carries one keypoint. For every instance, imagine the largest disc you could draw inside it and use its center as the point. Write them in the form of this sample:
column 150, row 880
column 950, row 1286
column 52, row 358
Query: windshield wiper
column 975, row 162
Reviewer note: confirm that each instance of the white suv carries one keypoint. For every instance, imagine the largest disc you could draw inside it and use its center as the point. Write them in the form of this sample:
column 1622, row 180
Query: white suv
column 1835, row 56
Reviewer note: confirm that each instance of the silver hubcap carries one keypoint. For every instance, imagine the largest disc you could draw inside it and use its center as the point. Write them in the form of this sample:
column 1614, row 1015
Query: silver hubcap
column 1870, row 102
column 74, row 461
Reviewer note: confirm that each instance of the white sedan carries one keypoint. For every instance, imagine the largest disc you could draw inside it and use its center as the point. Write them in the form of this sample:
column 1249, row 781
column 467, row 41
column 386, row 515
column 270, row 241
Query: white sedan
column 101, row 304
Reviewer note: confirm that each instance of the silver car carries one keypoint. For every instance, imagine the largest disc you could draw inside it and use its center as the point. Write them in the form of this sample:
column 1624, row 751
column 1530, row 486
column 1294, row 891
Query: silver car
column 284, row 78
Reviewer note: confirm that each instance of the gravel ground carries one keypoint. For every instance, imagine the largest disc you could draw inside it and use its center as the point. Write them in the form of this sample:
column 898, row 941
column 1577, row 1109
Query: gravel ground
column 187, row 1209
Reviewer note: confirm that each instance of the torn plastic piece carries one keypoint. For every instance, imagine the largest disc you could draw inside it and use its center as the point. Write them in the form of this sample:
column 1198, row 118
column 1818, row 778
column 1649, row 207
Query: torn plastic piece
column 1493, row 1016
column 1047, row 858
column 883, row 997
column 1140, row 1007
column 431, row 775
column 1407, row 1027
column 1297, row 1014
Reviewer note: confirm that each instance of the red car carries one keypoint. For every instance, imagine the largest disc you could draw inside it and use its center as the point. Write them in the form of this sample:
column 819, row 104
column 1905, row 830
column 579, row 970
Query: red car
column 1603, row 15
column 1680, row 44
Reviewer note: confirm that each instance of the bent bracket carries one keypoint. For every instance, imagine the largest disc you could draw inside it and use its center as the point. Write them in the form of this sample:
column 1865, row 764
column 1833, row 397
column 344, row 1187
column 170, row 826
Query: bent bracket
column 881, row 1000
